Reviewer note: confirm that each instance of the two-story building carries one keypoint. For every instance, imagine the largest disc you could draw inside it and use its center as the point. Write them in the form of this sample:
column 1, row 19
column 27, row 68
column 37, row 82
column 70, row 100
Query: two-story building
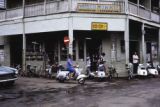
column 33, row 31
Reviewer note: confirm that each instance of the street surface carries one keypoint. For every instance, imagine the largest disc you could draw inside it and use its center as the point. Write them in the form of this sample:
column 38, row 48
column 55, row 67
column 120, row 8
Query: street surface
column 39, row 92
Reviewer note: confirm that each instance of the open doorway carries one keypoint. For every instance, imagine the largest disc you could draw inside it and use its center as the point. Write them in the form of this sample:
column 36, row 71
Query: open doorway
column 94, row 49
column 15, row 50
column 134, row 47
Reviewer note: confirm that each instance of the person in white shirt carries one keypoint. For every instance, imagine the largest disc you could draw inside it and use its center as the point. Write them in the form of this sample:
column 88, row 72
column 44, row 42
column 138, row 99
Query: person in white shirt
column 135, row 62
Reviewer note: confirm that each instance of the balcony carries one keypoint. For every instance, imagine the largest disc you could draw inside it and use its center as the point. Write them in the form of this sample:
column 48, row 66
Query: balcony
column 83, row 6
column 63, row 6
column 143, row 12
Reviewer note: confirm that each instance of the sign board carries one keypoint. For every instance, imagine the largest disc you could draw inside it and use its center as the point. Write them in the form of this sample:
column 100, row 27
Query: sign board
column 99, row 26
column 66, row 40
column 111, row 7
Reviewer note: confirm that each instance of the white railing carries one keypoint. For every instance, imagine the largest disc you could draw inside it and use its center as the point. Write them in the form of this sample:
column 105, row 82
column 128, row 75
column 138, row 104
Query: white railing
column 133, row 8
column 155, row 17
column 34, row 10
column 143, row 12
column 56, row 7
column 14, row 13
column 2, row 15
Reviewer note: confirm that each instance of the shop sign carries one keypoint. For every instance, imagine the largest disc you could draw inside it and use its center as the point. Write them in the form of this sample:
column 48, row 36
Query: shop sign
column 99, row 8
column 99, row 26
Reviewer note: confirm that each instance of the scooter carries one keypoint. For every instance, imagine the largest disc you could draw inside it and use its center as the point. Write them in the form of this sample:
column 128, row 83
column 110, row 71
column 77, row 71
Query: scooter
column 142, row 70
column 151, row 70
column 100, row 73
column 64, row 75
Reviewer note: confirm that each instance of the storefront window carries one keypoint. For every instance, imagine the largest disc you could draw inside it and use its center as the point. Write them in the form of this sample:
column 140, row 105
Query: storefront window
column 34, row 51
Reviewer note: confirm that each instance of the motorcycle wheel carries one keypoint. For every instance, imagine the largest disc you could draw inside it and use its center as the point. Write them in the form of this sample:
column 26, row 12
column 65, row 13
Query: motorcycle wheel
column 61, row 81
column 81, row 81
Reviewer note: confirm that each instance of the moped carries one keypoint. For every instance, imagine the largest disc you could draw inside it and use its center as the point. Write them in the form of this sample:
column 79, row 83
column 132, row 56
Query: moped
column 151, row 70
column 64, row 75
column 142, row 70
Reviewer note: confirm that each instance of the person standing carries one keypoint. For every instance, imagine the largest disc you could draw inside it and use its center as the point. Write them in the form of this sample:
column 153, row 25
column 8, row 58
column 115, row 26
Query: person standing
column 135, row 62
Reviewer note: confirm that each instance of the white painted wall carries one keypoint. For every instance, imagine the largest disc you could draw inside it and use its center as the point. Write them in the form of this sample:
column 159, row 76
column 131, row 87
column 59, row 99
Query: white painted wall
column 58, row 23
column 11, row 29
column 83, row 23
column 46, row 25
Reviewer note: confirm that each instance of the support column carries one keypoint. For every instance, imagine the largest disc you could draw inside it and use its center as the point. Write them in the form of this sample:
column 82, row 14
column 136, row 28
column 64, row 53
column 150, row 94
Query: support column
column 70, row 28
column 143, row 45
column 59, row 50
column 85, row 50
column 77, row 50
column 126, row 39
column 24, row 41
column 138, row 7
column 159, row 45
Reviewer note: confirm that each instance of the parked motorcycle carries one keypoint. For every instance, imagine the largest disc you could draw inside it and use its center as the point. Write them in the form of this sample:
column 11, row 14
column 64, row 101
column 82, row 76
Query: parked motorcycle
column 142, row 70
column 158, row 69
column 64, row 75
column 101, row 72
column 151, row 70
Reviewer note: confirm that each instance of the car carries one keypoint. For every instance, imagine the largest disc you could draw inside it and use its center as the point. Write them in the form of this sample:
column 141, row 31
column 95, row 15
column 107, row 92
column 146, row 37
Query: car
column 8, row 74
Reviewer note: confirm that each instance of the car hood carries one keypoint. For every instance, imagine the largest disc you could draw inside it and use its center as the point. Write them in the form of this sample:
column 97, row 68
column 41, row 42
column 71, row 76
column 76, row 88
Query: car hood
column 6, row 70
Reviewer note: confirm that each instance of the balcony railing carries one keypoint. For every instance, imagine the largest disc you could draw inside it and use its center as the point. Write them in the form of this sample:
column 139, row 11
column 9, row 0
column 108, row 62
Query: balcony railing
column 85, row 6
column 143, row 12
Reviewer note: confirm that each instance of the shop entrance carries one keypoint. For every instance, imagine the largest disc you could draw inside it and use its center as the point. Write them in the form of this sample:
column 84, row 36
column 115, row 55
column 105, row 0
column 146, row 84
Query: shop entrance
column 94, row 49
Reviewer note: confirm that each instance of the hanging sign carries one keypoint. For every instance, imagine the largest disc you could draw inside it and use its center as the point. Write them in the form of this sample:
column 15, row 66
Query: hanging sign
column 66, row 40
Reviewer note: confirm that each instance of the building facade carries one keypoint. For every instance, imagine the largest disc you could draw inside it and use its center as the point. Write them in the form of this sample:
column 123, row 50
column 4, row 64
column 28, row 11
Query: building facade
column 33, row 32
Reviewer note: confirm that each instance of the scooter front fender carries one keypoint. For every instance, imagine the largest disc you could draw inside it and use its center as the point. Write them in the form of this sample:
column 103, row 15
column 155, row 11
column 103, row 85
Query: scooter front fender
column 81, row 76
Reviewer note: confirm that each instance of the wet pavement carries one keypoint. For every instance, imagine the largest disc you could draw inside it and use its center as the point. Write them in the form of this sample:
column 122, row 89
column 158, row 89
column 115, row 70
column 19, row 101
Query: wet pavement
column 39, row 92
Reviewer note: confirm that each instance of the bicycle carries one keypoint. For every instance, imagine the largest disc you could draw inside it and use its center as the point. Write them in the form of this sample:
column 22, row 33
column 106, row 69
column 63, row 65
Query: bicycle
column 112, row 72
